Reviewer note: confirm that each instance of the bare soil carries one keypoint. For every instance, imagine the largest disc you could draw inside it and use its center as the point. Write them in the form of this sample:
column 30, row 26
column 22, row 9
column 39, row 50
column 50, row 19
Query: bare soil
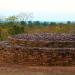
column 35, row 70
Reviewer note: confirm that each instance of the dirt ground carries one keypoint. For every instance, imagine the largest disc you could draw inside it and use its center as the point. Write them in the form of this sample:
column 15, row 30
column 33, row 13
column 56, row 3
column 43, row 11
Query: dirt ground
column 29, row 70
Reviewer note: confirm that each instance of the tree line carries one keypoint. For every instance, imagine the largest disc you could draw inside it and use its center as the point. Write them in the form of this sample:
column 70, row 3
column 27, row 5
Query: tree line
column 23, row 23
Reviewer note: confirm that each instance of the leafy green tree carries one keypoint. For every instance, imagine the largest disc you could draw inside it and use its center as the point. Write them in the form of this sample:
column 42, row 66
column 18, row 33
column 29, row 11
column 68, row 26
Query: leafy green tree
column 68, row 22
column 23, row 23
column 16, row 29
column 53, row 23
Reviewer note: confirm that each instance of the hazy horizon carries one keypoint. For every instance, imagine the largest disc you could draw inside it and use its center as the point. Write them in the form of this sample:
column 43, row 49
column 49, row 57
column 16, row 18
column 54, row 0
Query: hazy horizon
column 43, row 10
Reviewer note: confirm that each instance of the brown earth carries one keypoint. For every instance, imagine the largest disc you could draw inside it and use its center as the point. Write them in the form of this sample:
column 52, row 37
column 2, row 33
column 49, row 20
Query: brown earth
column 35, row 70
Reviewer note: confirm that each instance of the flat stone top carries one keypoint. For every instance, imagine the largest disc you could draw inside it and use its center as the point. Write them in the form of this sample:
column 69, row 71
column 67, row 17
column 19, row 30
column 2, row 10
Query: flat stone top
column 45, row 37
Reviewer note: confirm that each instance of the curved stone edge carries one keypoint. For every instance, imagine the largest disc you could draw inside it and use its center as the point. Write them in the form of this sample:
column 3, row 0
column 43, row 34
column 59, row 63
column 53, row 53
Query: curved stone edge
column 37, row 56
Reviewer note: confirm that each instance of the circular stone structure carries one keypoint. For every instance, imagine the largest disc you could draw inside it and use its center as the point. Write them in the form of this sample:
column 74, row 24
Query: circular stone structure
column 43, row 40
column 39, row 50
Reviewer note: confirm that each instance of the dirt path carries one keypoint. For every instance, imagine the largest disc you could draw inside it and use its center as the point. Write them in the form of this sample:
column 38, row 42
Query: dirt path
column 24, row 70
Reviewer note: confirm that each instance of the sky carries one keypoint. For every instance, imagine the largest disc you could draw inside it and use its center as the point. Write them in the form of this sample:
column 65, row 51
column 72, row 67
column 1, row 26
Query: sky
column 43, row 10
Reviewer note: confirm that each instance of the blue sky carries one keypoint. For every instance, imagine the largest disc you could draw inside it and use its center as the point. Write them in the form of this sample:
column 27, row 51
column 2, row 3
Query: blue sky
column 48, row 10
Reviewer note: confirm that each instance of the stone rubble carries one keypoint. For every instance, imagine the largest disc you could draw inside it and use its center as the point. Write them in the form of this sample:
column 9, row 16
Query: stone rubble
column 23, row 50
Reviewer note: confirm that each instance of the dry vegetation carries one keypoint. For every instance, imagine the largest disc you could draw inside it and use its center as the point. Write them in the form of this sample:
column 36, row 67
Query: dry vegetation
column 12, row 28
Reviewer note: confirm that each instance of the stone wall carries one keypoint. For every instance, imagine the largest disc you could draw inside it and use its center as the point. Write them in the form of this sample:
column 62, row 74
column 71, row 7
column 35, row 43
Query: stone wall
column 44, row 40
column 49, row 44
column 37, row 56
column 48, row 54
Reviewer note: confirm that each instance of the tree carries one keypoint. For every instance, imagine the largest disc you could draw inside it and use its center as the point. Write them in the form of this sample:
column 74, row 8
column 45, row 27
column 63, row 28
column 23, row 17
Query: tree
column 45, row 23
column 23, row 23
column 11, row 19
column 53, row 23
column 16, row 29
column 68, row 22
column 25, row 16
column 30, row 23
column 37, row 23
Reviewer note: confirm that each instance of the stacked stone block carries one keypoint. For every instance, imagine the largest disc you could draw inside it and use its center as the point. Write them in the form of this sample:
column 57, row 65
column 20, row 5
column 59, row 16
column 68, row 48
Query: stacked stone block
column 38, row 53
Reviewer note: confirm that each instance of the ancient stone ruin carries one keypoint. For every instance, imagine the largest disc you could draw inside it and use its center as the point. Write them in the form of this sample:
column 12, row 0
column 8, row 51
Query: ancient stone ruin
column 44, row 49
